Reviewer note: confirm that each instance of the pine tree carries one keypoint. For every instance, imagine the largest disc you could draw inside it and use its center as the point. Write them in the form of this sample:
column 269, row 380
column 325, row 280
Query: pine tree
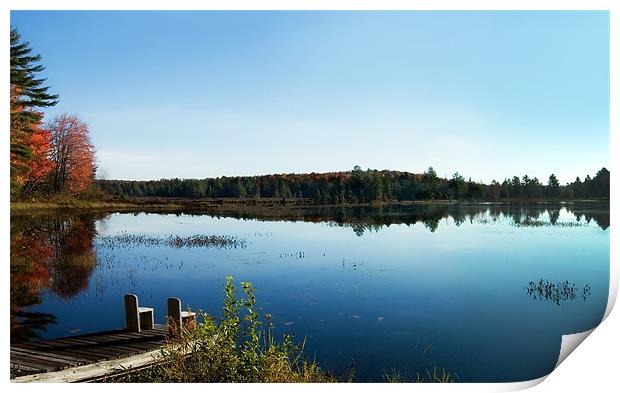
column 553, row 186
column 27, row 93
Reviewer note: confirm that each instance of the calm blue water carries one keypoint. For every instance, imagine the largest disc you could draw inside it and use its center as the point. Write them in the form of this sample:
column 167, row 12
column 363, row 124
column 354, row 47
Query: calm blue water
column 449, row 290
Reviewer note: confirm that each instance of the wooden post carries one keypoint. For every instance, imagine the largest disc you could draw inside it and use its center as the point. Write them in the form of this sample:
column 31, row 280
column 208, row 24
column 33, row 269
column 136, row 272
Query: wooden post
column 175, row 321
column 147, row 318
column 131, row 313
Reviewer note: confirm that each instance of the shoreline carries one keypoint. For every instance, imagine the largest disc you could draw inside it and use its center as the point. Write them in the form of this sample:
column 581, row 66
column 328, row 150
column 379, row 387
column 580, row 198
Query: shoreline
column 170, row 205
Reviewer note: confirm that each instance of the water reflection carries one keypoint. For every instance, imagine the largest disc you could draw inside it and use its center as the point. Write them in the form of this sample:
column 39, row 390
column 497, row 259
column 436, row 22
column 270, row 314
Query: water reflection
column 48, row 253
column 368, row 218
column 54, row 255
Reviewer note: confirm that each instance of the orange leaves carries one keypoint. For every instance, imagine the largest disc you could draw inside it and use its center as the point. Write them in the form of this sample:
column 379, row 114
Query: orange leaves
column 61, row 156
column 73, row 154
column 40, row 164
column 33, row 170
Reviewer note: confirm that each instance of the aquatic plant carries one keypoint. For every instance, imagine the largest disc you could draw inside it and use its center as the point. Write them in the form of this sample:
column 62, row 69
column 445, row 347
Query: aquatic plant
column 585, row 292
column 556, row 292
column 295, row 255
column 429, row 376
column 174, row 241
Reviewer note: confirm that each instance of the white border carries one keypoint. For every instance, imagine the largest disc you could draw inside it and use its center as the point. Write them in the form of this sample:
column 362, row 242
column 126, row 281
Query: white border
column 594, row 369
column 310, row 5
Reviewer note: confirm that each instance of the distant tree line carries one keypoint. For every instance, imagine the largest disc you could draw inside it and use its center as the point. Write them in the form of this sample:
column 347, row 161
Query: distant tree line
column 359, row 186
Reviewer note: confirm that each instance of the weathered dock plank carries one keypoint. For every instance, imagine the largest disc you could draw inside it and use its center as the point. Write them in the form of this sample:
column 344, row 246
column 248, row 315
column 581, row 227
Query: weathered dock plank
column 94, row 349
column 55, row 355
column 93, row 371
column 47, row 358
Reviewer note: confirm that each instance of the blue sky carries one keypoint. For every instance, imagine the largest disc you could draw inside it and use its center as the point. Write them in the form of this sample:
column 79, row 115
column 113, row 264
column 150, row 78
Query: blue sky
column 205, row 94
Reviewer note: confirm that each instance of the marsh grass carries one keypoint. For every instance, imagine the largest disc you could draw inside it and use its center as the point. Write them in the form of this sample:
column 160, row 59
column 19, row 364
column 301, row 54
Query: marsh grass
column 557, row 292
column 174, row 241
column 55, row 204
column 435, row 375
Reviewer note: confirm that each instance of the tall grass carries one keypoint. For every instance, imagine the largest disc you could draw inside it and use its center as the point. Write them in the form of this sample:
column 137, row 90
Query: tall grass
column 433, row 376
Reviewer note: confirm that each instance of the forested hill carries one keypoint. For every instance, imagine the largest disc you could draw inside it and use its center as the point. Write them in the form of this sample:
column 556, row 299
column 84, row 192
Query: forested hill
column 359, row 186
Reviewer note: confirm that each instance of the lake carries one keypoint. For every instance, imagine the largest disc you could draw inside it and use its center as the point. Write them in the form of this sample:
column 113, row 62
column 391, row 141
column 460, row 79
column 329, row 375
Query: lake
column 483, row 291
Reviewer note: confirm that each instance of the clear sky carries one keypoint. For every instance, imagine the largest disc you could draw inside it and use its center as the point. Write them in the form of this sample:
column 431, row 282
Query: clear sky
column 205, row 94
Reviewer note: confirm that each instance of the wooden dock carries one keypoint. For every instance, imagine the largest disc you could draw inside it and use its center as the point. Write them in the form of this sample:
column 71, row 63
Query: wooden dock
column 95, row 356
column 51, row 356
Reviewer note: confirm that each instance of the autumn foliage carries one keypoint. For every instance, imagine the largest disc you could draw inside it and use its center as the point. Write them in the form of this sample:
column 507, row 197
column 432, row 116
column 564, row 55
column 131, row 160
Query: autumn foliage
column 29, row 147
column 29, row 143
column 35, row 174
column 60, row 158
column 72, row 154
column 56, row 158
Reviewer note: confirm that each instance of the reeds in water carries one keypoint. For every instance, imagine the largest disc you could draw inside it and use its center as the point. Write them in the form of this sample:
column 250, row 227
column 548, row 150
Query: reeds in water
column 124, row 240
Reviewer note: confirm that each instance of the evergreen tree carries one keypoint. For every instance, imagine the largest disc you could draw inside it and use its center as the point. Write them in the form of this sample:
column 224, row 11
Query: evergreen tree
column 317, row 196
column 515, row 187
column 373, row 187
column 27, row 93
column 506, row 189
column 457, row 185
column 238, row 189
column 431, row 183
column 577, row 188
column 587, row 187
column 496, row 190
column 601, row 183
column 388, row 190
column 553, row 186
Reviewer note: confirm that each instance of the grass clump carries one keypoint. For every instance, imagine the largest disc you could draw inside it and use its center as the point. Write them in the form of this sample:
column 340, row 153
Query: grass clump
column 238, row 348
column 435, row 375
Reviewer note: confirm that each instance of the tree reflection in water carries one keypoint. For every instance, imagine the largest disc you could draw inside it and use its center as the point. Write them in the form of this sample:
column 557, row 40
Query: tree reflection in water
column 363, row 219
column 49, row 253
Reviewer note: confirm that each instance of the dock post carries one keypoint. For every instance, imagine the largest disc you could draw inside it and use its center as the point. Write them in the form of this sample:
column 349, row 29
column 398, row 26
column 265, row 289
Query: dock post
column 132, row 316
column 147, row 318
column 179, row 320
column 175, row 321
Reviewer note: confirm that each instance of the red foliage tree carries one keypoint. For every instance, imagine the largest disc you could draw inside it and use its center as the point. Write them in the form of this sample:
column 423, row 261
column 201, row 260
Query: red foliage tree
column 40, row 164
column 72, row 154
column 29, row 147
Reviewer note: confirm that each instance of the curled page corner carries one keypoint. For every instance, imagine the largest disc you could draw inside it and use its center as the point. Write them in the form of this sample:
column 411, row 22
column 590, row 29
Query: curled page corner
column 516, row 386
column 613, row 288
column 570, row 342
